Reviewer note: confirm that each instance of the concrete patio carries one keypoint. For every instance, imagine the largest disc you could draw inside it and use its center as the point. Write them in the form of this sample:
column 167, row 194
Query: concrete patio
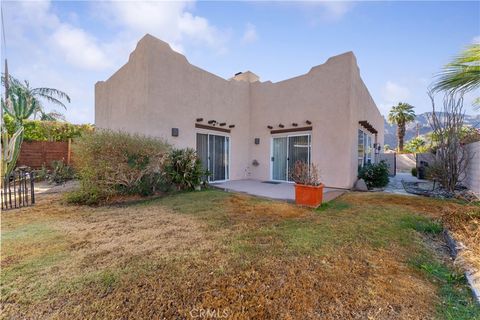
column 267, row 189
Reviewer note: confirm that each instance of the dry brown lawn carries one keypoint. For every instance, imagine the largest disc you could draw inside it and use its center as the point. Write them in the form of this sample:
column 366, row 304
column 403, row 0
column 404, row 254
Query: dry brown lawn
column 213, row 254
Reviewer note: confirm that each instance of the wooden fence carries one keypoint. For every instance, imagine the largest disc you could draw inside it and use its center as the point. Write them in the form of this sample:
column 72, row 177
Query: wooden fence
column 35, row 154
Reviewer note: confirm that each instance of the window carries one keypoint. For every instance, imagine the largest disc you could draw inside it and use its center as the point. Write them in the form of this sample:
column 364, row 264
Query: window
column 365, row 149
column 361, row 148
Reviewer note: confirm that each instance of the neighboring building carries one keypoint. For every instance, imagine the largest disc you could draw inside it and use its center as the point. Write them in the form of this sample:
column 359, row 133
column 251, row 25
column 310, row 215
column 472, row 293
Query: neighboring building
column 243, row 128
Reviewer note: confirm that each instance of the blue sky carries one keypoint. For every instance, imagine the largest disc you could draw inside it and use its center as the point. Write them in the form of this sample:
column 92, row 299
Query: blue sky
column 399, row 45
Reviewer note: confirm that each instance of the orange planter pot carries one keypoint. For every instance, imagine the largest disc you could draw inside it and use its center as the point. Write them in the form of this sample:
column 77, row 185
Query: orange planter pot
column 308, row 195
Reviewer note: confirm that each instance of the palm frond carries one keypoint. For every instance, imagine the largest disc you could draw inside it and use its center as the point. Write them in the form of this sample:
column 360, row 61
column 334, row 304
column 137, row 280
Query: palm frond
column 52, row 100
column 51, row 93
column 462, row 74
column 52, row 116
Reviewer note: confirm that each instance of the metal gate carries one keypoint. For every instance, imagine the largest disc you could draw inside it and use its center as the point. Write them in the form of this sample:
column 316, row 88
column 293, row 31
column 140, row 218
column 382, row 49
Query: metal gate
column 18, row 189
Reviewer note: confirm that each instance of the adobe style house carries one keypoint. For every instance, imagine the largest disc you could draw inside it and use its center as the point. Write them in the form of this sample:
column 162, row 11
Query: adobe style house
column 243, row 128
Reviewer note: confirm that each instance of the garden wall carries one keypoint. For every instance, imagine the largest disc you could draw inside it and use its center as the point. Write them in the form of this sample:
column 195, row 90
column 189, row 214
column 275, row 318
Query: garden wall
column 472, row 180
column 405, row 162
column 35, row 154
column 390, row 159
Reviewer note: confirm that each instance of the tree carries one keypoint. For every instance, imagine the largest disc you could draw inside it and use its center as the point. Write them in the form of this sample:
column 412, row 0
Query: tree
column 451, row 156
column 400, row 115
column 417, row 144
column 51, row 95
column 462, row 74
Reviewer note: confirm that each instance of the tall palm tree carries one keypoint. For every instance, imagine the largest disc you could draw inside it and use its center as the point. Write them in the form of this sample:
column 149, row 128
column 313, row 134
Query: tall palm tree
column 400, row 115
column 462, row 74
column 51, row 95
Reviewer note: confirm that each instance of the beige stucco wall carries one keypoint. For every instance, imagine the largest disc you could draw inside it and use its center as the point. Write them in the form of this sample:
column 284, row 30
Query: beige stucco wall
column 158, row 90
column 472, row 179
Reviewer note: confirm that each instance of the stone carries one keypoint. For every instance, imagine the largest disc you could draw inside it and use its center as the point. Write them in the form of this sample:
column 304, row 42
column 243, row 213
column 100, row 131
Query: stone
column 360, row 185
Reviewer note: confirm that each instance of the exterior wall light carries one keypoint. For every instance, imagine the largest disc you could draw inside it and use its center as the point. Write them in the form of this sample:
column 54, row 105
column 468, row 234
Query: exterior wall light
column 281, row 125
column 270, row 127
column 174, row 132
column 257, row 140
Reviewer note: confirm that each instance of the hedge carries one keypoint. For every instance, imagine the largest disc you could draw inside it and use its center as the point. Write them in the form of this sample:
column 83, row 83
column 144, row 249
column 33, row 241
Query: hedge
column 36, row 130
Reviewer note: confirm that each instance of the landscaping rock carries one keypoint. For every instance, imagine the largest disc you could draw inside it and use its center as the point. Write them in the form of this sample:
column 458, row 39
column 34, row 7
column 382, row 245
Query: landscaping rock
column 360, row 185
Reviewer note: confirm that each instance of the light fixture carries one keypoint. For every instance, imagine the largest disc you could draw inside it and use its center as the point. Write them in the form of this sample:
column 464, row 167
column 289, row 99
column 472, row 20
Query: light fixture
column 281, row 125
column 257, row 140
column 175, row 132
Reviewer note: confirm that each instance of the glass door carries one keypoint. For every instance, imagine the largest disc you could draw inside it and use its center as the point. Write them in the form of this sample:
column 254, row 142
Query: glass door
column 279, row 158
column 213, row 151
column 298, row 150
column 286, row 151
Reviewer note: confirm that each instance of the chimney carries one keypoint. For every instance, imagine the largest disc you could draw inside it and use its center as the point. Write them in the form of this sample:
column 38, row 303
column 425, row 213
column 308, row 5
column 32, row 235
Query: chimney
column 247, row 76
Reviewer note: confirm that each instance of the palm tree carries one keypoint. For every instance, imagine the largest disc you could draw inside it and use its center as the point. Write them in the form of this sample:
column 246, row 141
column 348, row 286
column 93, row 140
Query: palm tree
column 462, row 74
column 400, row 115
column 51, row 95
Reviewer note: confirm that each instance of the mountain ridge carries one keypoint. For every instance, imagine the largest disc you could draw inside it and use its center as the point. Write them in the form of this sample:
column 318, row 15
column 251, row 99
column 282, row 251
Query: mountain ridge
column 423, row 127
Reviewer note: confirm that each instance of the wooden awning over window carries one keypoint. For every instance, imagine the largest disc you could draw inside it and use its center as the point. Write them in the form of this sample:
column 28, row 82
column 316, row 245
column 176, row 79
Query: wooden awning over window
column 368, row 126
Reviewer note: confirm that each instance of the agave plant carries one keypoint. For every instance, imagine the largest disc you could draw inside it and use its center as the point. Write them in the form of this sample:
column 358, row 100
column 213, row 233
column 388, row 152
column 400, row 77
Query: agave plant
column 10, row 150
column 20, row 107
column 38, row 95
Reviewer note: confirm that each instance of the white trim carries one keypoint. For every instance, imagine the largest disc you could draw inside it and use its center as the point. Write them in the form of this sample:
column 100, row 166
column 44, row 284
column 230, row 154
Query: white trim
column 280, row 135
column 228, row 161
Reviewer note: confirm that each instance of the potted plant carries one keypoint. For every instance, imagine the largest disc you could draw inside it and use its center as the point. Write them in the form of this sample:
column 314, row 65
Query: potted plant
column 308, row 188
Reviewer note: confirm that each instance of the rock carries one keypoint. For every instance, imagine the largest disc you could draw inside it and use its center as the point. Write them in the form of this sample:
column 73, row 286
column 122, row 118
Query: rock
column 360, row 185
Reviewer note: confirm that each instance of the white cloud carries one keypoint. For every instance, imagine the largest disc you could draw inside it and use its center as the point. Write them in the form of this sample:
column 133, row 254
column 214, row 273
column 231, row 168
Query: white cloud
column 172, row 22
column 476, row 40
column 392, row 94
column 335, row 10
column 250, row 35
column 52, row 50
column 79, row 48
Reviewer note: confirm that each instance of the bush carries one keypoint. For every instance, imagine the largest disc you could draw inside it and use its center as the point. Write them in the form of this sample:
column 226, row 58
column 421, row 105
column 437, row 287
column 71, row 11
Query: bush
column 36, row 130
column 111, row 163
column 60, row 173
column 414, row 172
column 305, row 174
column 374, row 175
column 184, row 169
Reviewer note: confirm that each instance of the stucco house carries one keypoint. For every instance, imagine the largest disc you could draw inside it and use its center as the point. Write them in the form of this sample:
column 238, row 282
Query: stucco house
column 243, row 128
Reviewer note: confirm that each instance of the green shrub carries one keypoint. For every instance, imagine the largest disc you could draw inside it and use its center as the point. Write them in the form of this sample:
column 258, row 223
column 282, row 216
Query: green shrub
column 184, row 169
column 60, row 173
column 86, row 196
column 414, row 171
column 111, row 163
column 374, row 175
column 36, row 130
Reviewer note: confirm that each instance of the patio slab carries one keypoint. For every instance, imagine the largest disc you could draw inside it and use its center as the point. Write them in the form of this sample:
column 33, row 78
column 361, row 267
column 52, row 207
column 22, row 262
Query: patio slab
column 279, row 191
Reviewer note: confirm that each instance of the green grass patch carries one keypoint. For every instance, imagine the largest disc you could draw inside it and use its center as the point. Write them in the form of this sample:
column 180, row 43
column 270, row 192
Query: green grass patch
column 457, row 301
column 333, row 206
column 422, row 224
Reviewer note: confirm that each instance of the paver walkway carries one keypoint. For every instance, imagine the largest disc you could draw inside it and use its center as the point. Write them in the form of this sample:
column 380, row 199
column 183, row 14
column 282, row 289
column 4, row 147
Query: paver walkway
column 395, row 184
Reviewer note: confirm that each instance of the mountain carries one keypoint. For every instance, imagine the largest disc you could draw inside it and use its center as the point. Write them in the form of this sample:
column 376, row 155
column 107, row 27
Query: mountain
column 423, row 128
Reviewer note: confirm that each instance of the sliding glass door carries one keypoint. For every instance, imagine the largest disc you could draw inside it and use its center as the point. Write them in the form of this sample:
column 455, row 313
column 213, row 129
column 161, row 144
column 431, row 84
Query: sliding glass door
column 286, row 151
column 279, row 158
column 213, row 151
